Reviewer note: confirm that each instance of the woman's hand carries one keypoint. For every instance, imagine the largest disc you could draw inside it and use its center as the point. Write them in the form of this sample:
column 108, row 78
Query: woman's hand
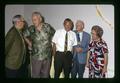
column 104, row 70
column 87, row 61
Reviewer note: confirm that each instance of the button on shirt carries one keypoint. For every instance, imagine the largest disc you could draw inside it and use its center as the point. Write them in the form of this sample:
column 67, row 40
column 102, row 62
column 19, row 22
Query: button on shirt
column 59, row 40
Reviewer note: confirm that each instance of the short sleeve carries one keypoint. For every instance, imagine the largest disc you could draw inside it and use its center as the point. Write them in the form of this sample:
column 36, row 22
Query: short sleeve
column 55, row 37
column 75, row 39
column 104, row 48
column 52, row 31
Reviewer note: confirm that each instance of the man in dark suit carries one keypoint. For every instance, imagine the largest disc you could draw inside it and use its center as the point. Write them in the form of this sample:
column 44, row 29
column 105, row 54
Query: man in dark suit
column 15, row 49
column 80, row 50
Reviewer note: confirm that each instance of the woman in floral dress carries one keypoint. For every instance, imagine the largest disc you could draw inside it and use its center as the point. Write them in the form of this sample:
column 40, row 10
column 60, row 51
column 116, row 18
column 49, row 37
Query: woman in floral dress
column 97, row 58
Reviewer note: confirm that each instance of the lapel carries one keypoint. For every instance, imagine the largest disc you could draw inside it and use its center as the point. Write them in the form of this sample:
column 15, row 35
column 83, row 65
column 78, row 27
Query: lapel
column 23, row 43
column 21, row 39
column 83, row 36
column 83, row 39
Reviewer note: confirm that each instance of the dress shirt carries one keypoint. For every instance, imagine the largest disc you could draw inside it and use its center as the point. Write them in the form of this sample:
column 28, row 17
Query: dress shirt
column 59, row 40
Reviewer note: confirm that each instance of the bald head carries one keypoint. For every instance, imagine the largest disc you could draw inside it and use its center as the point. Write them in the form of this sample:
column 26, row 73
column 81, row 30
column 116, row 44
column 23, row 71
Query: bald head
column 79, row 25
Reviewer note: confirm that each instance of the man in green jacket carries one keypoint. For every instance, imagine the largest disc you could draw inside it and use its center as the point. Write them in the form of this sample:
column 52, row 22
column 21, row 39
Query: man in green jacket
column 15, row 49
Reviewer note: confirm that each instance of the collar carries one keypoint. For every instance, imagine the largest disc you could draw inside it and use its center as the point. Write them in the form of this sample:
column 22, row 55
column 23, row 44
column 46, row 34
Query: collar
column 66, row 31
column 19, row 30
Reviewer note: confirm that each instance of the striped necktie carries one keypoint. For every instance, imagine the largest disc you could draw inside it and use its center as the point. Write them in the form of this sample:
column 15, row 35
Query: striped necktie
column 66, row 42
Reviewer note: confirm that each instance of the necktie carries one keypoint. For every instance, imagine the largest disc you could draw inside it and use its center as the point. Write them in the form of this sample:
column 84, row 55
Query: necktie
column 78, row 38
column 66, row 42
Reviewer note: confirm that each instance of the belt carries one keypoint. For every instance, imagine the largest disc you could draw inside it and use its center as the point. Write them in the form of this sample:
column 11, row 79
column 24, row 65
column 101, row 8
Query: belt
column 64, row 52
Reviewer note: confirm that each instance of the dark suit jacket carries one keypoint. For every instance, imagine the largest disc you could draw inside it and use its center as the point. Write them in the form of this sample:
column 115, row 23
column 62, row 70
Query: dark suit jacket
column 14, row 49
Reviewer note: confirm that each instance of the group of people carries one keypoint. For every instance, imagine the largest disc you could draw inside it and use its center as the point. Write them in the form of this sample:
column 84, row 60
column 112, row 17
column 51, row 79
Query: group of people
column 29, row 50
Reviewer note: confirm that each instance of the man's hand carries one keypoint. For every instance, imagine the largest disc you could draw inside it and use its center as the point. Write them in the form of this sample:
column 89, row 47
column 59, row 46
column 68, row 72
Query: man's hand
column 28, row 42
column 53, row 49
column 78, row 49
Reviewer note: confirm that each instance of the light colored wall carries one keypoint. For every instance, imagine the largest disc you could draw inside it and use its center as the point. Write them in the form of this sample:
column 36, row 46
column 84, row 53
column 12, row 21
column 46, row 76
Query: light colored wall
column 55, row 15
column 10, row 11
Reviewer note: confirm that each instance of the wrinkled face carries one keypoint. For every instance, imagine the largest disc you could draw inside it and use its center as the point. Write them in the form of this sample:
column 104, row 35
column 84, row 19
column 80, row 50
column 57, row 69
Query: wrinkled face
column 79, row 26
column 36, row 19
column 94, row 35
column 20, row 23
column 67, row 26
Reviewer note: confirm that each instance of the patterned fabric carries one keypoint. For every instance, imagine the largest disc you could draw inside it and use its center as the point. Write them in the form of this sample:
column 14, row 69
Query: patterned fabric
column 96, row 60
column 41, row 41
column 66, row 42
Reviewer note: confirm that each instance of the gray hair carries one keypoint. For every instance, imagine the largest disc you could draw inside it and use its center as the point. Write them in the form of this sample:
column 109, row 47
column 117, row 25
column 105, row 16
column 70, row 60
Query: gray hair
column 80, row 21
column 38, row 14
column 16, row 18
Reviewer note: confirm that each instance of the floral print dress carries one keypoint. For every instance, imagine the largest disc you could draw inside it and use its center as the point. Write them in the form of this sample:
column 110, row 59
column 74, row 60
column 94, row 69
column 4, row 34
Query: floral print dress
column 96, row 59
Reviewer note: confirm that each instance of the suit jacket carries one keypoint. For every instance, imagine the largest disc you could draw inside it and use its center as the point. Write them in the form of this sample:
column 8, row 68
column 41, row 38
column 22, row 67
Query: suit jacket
column 81, row 57
column 14, row 49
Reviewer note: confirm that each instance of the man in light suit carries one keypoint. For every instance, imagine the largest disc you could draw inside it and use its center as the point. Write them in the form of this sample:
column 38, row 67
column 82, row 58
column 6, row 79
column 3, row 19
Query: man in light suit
column 80, row 50
column 15, row 49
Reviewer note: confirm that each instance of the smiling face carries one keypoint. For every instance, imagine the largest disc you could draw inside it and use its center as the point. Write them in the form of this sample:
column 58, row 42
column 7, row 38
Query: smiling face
column 67, row 26
column 19, row 23
column 96, row 32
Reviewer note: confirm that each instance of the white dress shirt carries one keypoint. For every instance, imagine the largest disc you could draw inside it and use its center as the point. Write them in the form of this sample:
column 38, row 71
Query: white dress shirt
column 59, row 40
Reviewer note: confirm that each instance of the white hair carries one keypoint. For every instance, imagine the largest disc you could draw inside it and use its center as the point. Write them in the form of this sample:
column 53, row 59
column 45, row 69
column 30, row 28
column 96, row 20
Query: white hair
column 80, row 21
column 16, row 18
column 38, row 14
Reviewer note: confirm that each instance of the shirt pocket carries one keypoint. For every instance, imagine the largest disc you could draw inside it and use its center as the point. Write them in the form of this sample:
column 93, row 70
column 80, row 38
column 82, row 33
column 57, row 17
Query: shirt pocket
column 60, row 40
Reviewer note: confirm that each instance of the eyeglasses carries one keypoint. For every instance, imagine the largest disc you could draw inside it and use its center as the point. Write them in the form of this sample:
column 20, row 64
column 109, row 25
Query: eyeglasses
column 21, row 21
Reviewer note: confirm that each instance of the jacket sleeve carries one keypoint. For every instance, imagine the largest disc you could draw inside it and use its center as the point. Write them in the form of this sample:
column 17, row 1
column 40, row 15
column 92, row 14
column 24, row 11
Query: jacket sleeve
column 9, row 40
column 85, row 49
